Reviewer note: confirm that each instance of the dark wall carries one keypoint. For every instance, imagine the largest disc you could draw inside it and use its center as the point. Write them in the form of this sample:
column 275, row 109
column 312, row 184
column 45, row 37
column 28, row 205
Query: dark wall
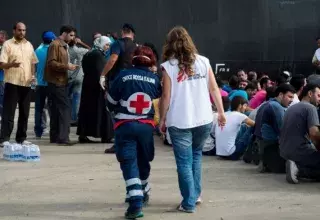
column 266, row 35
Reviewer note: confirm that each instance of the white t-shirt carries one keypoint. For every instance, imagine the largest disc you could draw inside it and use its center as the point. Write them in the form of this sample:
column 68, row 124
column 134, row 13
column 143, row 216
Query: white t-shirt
column 316, row 56
column 210, row 142
column 226, row 136
column 190, row 104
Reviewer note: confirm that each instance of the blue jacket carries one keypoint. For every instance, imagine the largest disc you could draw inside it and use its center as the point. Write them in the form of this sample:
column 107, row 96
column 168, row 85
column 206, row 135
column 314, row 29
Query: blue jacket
column 131, row 93
column 272, row 119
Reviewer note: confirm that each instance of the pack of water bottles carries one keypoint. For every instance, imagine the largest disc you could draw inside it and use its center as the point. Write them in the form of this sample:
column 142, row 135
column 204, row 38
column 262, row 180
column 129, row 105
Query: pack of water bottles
column 18, row 152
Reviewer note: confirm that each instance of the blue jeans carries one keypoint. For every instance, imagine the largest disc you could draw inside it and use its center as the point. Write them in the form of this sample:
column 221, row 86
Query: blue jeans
column 135, row 150
column 74, row 96
column 40, row 114
column 187, row 147
column 242, row 141
column 1, row 96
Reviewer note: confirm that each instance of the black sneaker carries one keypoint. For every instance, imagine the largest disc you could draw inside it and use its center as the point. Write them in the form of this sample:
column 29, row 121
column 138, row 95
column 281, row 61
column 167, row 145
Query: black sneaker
column 292, row 172
column 134, row 215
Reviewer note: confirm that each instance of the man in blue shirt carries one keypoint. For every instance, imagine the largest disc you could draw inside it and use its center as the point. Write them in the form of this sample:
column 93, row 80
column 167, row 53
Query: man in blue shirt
column 3, row 38
column 271, row 123
column 41, row 89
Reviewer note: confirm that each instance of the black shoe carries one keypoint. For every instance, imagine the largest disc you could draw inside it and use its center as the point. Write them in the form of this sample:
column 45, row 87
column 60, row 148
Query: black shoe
column 85, row 140
column 133, row 215
column 110, row 150
column 107, row 141
column 74, row 124
column 68, row 143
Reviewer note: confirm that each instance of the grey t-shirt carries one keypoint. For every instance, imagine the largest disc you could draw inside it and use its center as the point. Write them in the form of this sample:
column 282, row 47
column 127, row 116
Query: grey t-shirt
column 295, row 143
column 76, row 54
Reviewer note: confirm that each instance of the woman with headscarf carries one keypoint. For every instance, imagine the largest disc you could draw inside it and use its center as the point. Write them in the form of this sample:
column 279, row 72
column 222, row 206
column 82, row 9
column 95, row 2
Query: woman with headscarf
column 94, row 120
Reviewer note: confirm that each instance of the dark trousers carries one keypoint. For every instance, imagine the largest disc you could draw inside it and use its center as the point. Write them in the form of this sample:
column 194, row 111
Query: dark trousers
column 14, row 95
column 1, row 96
column 270, row 156
column 59, row 105
column 135, row 150
column 309, row 166
column 41, row 97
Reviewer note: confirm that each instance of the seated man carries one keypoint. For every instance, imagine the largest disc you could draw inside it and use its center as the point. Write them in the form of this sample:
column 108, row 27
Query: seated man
column 261, row 95
column 300, row 129
column 271, row 122
column 229, row 144
column 234, row 83
column 209, row 147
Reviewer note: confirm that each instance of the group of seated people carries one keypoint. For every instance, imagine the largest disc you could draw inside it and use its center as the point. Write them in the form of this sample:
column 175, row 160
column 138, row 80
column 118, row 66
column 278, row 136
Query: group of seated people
column 273, row 124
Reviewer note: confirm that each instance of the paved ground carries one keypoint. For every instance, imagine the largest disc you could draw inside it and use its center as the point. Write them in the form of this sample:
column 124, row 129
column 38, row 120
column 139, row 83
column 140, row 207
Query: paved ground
column 82, row 183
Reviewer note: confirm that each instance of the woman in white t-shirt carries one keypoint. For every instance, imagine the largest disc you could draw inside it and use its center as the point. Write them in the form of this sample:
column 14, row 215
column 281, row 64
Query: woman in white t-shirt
column 231, row 143
column 186, row 110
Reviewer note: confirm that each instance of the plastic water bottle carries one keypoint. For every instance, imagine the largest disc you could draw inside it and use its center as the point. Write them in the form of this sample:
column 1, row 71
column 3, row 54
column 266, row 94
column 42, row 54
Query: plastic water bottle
column 26, row 153
column 6, row 150
column 17, row 152
column 34, row 152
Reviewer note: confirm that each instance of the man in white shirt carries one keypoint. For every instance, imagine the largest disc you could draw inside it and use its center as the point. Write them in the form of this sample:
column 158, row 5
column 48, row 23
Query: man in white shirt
column 231, row 143
column 298, row 82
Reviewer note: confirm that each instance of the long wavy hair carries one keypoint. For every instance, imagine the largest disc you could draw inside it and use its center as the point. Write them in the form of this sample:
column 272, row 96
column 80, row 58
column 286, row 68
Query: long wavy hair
column 180, row 46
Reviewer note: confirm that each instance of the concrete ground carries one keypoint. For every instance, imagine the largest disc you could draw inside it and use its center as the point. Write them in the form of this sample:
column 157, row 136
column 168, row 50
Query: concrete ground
column 80, row 182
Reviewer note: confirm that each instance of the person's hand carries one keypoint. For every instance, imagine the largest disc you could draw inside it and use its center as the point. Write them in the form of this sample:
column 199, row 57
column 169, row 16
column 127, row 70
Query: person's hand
column 72, row 67
column 33, row 80
column 153, row 69
column 221, row 119
column 162, row 126
column 77, row 40
column 15, row 64
column 103, row 82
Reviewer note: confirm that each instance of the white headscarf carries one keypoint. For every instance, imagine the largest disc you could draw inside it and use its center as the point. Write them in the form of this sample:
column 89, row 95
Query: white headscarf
column 100, row 42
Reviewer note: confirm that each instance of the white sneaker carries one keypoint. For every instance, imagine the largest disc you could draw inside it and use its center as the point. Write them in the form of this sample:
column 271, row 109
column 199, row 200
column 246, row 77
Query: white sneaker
column 292, row 172
column 199, row 201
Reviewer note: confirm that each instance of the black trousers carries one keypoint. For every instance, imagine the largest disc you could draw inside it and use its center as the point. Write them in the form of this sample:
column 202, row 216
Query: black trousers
column 41, row 97
column 14, row 95
column 60, row 110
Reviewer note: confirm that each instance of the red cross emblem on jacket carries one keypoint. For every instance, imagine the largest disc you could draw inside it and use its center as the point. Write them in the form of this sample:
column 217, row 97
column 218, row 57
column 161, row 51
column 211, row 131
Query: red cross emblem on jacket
column 139, row 103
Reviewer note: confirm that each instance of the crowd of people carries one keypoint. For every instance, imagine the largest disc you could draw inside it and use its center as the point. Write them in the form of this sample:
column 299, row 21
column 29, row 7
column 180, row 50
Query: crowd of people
column 116, row 90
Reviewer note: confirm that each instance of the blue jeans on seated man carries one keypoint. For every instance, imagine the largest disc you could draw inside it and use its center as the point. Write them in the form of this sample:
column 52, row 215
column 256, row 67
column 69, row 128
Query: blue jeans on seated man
column 135, row 150
column 187, row 147
column 242, row 141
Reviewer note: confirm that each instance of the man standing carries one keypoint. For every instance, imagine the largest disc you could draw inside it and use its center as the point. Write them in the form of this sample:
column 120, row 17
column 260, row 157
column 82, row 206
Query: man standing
column 75, row 77
column 17, row 59
column 121, row 58
column 56, row 74
column 3, row 38
column 298, row 82
column 300, row 137
column 42, row 85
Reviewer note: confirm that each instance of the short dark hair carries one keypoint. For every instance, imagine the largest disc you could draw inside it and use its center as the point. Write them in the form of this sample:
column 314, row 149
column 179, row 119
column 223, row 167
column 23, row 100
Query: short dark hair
column 15, row 25
column 225, row 103
column 234, row 82
column 284, row 88
column 219, row 81
column 297, row 81
column 309, row 87
column 271, row 92
column 263, row 81
column 251, row 86
column 236, row 101
column 280, row 80
column 153, row 48
column 67, row 29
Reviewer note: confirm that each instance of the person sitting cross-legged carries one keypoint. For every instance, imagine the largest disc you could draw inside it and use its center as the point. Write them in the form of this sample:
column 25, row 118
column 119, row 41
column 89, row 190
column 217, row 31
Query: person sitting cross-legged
column 271, row 122
column 300, row 137
column 232, row 140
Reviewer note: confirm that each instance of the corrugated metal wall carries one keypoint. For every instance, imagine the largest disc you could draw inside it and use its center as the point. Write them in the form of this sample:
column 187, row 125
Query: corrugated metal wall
column 238, row 32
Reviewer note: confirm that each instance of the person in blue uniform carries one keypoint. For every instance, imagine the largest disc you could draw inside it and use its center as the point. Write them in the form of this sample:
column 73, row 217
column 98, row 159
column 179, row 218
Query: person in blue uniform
column 130, row 99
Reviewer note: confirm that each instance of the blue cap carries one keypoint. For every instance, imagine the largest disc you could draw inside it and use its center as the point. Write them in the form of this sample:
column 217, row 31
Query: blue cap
column 48, row 36
column 129, row 26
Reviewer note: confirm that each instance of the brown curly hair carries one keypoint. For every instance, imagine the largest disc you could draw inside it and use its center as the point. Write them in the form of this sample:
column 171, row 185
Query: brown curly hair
column 180, row 46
